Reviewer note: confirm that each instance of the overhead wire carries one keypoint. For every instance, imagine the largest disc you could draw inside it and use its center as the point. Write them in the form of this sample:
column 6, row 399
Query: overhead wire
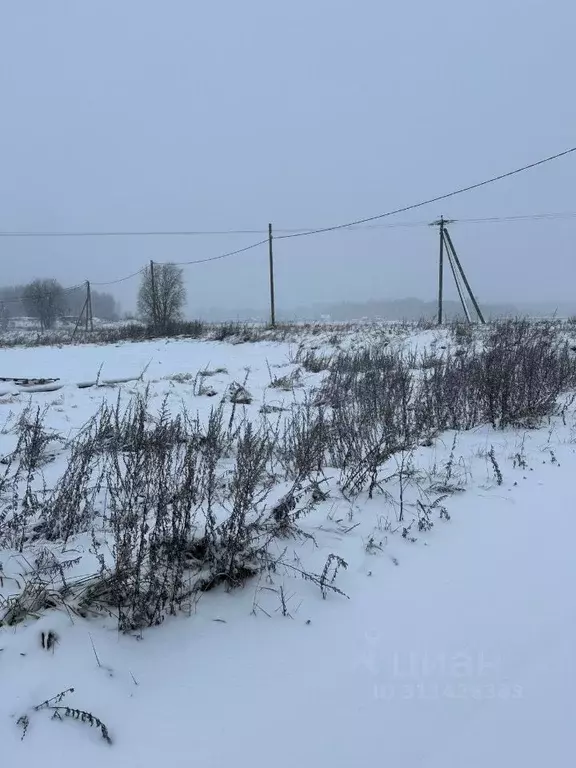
column 181, row 264
column 303, row 232
column 67, row 289
column 120, row 279
column 551, row 216
column 215, row 258
column 519, row 218
column 289, row 234
column 431, row 200
column 281, row 231
column 139, row 233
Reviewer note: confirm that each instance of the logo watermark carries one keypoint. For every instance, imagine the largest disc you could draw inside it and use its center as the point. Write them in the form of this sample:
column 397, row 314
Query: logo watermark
column 418, row 675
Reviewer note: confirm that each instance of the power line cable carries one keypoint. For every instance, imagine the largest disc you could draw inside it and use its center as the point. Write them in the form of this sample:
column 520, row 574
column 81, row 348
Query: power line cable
column 302, row 233
column 519, row 218
column 214, row 258
column 278, row 231
column 180, row 233
column 431, row 200
column 41, row 296
column 140, row 233
column 289, row 233
column 552, row 216
column 120, row 279
column 181, row 264
column 481, row 220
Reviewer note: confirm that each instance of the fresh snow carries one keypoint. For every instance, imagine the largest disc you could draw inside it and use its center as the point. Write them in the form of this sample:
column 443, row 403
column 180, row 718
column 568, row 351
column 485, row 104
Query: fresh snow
column 456, row 650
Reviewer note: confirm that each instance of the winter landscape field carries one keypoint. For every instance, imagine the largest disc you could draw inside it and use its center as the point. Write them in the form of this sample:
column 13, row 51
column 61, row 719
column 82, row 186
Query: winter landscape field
column 322, row 547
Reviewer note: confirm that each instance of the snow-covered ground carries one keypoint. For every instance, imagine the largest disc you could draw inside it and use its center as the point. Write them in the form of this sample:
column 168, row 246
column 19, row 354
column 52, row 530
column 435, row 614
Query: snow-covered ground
column 452, row 645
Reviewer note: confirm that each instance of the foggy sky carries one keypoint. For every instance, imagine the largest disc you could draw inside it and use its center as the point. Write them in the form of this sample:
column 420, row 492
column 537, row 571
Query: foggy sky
column 174, row 114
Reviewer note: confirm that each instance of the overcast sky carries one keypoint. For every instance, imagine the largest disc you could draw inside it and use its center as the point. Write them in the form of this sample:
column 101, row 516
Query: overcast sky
column 175, row 114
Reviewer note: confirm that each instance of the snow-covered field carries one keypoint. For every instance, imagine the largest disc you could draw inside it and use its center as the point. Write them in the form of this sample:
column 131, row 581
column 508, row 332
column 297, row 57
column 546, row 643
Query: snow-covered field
column 423, row 620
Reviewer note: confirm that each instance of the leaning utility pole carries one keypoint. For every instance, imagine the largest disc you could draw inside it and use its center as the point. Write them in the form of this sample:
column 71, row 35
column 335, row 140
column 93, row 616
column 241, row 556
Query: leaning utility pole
column 458, row 273
column 458, row 284
column 79, row 319
column 464, row 278
column 271, row 271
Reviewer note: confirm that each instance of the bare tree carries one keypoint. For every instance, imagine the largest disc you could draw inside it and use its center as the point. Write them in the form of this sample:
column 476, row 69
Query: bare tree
column 44, row 299
column 162, row 295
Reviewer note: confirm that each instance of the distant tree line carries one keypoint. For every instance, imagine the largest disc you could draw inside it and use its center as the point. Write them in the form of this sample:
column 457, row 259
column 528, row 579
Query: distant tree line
column 46, row 301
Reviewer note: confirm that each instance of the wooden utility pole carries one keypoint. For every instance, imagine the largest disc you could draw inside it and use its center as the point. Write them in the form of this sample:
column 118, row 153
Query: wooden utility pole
column 88, row 305
column 153, row 289
column 441, row 272
column 271, row 270
column 441, row 223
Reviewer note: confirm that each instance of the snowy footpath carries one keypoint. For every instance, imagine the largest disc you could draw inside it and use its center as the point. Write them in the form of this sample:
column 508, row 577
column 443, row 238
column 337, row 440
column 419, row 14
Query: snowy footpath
column 464, row 656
